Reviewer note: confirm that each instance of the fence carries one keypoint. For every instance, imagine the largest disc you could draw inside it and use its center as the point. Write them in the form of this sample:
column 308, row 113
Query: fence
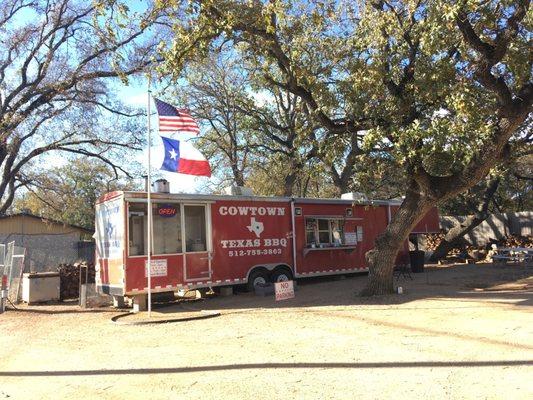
column 44, row 252
column 496, row 226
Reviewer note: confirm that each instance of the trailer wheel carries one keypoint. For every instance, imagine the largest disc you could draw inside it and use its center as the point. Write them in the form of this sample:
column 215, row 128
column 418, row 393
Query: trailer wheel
column 281, row 275
column 256, row 277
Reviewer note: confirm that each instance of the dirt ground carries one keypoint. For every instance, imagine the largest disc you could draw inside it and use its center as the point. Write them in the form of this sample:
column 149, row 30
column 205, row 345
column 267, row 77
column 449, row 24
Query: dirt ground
column 457, row 332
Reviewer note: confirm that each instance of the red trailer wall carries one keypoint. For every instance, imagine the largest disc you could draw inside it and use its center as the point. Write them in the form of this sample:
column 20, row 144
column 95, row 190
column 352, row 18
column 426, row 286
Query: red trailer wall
column 237, row 247
column 372, row 220
column 136, row 275
column 249, row 233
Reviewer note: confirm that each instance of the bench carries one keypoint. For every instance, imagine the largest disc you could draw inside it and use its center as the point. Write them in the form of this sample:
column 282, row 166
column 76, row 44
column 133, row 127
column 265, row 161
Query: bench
column 513, row 254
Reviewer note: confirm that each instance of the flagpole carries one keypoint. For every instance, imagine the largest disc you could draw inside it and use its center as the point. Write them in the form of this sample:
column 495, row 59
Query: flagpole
column 149, row 227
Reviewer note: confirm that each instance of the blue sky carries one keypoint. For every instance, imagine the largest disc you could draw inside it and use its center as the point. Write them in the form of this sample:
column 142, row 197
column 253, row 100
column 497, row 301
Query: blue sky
column 135, row 95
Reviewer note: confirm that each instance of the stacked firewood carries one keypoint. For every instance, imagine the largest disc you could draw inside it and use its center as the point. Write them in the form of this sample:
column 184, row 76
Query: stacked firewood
column 477, row 253
column 433, row 240
column 69, row 277
column 516, row 241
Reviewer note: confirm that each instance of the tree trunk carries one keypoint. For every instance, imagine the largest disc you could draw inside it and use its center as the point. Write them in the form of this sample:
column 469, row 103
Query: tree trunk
column 342, row 184
column 381, row 258
column 238, row 176
column 341, row 181
column 304, row 188
column 456, row 233
column 288, row 184
column 295, row 167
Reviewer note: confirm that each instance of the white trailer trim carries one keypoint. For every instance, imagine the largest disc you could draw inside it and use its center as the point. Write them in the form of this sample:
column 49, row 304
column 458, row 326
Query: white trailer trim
column 337, row 271
column 169, row 197
column 293, row 220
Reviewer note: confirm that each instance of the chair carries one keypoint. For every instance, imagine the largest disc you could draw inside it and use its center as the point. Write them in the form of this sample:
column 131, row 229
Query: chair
column 402, row 270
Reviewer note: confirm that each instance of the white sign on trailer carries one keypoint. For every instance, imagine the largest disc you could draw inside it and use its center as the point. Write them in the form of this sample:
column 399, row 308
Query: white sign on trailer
column 284, row 290
column 359, row 233
column 159, row 267
column 350, row 238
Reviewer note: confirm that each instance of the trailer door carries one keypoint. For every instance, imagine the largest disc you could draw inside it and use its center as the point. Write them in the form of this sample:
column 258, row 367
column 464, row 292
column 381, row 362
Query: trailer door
column 197, row 242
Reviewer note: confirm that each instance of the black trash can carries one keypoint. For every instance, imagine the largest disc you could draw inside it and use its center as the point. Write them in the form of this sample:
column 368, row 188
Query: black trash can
column 417, row 260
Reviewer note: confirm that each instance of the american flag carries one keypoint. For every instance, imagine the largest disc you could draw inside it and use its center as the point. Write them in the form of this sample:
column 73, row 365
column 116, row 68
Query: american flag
column 172, row 119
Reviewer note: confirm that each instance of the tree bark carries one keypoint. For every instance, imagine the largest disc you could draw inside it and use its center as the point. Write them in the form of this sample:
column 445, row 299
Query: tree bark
column 456, row 233
column 380, row 260
column 238, row 176
column 294, row 171
column 340, row 181
column 288, row 184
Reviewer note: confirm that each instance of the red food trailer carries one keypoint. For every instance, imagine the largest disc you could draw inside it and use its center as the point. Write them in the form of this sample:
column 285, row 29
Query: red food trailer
column 217, row 240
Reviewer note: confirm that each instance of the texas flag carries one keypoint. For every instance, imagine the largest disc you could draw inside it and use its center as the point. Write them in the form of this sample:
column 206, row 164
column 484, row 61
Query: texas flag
column 182, row 157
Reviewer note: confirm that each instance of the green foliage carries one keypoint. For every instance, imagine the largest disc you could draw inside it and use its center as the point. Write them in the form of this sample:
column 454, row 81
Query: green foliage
column 378, row 176
column 349, row 56
column 514, row 193
column 267, row 179
column 68, row 193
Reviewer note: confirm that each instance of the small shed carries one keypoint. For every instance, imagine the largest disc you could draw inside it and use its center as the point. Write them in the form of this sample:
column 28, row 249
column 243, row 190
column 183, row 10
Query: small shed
column 47, row 242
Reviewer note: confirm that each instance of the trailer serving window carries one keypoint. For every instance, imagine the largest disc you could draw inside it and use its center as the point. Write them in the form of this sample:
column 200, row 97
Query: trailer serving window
column 167, row 228
column 324, row 232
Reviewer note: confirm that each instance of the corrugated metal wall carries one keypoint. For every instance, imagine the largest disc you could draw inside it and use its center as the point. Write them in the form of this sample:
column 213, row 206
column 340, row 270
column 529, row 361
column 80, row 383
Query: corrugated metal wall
column 27, row 225
column 47, row 244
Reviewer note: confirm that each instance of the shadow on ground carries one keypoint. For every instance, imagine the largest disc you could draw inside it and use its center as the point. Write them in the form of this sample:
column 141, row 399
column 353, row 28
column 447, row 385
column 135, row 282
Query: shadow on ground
column 469, row 283
column 59, row 307
column 512, row 285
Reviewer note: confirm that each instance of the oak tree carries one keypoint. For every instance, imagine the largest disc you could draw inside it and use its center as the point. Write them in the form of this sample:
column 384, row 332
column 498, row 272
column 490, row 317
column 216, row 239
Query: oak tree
column 69, row 192
column 58, row 62
column 441, row 87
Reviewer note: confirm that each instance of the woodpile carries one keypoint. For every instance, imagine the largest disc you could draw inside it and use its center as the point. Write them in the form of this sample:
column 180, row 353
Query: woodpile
column 516, row 241
column 69, row 277
column 433, row 240
column 476, row 253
